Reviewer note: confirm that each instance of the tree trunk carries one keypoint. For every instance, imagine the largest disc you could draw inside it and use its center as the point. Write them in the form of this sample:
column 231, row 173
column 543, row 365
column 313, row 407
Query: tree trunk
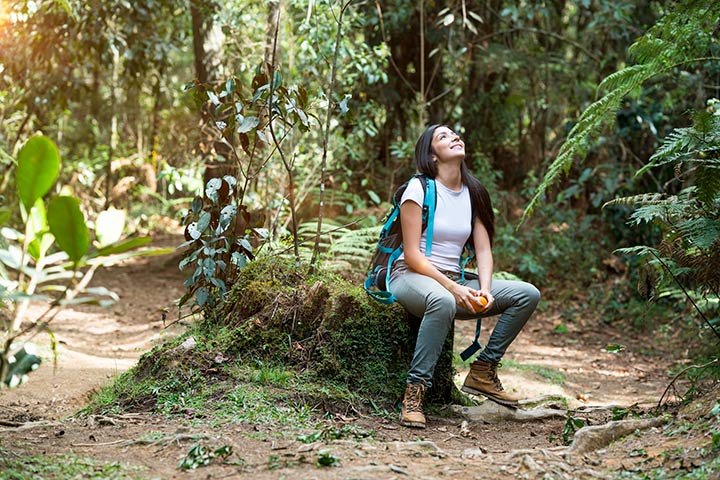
column 198, row 34
column 273, row 10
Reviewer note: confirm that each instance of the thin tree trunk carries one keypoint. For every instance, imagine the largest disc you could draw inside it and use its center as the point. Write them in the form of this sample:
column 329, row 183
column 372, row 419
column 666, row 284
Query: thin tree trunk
column 157, row 103
column 198, row 40
column 326, row 134
column 270, row 27
column 113, row 128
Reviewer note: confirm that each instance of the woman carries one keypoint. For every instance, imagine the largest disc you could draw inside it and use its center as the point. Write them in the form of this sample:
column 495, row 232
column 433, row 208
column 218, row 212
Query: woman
column 431, row 287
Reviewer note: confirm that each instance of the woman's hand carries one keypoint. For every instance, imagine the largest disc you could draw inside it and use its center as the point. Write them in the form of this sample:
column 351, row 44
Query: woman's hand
column 465, row 297
column 488, row 296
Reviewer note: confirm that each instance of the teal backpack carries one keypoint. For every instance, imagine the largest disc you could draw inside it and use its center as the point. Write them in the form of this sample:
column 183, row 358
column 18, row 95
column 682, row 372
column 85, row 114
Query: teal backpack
column 390, row 247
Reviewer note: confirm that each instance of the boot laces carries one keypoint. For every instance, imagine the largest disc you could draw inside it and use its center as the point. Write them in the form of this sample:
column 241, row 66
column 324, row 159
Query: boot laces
column 414, row 398
column 494, row 378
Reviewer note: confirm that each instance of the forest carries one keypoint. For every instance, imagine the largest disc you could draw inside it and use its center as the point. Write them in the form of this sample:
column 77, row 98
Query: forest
column 192, row 192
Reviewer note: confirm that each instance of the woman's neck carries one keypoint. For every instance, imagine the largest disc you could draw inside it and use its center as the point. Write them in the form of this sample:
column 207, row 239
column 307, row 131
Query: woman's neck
column 450, row 176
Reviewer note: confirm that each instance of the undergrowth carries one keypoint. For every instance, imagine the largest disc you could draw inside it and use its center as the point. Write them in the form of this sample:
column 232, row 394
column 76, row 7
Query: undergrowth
column 285, row 346
column 63, row 466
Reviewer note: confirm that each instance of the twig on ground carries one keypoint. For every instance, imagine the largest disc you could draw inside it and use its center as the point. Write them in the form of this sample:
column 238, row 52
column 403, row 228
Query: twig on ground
column 676, row 377
column 7, row 423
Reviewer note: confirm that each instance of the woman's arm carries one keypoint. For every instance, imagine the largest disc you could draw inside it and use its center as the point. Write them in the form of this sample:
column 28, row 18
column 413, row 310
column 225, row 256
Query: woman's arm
column 484, row 256
column 411, row 224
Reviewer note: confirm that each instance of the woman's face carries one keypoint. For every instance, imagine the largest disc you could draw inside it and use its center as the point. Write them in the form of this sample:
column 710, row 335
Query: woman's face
column 447, row 145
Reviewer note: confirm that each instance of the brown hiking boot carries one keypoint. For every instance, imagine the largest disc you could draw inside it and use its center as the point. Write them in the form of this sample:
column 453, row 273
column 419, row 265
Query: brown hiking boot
column 483, row 380
column 412, row 406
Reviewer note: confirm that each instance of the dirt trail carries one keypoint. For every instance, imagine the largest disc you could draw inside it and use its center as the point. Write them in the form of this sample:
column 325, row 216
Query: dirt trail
column 97, row 344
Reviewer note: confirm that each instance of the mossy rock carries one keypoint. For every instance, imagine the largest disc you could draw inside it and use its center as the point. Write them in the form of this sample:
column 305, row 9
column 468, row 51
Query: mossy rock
column 319, row 325
column 324, row 325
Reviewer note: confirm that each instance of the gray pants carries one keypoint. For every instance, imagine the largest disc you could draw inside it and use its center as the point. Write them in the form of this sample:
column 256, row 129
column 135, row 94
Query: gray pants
column 425, row 298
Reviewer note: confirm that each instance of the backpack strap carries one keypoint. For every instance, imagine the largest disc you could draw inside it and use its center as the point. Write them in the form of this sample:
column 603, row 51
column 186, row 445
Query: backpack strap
column 475, row 346
column 430, row 193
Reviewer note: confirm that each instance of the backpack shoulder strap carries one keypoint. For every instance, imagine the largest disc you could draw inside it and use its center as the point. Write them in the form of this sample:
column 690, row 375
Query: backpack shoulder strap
column 428, row 209
column 429, row 204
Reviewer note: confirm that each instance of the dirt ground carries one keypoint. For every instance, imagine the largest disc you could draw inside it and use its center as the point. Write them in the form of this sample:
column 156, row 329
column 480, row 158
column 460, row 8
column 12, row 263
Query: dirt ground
column 96, row 344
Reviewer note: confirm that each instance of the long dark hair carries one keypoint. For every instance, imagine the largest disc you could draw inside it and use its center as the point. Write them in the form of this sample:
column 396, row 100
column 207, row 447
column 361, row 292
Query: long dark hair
column 479, row 196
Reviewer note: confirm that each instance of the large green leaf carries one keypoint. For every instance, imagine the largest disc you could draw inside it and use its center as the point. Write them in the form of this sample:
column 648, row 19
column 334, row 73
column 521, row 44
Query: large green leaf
column 38, row 167
column 109, row 226
column 124, row 246
column 36, row 231
column 67, row 223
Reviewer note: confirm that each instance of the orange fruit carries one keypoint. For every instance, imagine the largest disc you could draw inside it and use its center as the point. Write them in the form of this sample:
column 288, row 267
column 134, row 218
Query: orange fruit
column 479, row 304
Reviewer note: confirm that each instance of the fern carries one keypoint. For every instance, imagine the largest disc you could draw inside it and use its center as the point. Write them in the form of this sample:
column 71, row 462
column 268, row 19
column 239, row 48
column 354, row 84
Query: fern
column 650, row 213
column 342, row 248
column 690, row 144
column 700, row 232
column 684, row 35
column 708, row 180
column 642, row 199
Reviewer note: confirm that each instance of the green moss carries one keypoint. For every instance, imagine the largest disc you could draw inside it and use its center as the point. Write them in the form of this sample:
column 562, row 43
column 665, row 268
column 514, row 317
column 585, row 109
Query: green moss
column 554, row 376
column 284, row 344
column 61, row 467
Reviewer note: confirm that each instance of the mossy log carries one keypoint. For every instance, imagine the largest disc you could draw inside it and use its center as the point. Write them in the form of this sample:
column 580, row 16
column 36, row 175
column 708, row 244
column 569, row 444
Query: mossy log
column 325, row 327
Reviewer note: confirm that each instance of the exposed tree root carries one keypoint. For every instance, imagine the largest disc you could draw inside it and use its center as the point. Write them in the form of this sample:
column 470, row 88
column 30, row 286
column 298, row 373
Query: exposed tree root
column 161, row 442
column 590, row 439
column 558, row 462
column 16, row 427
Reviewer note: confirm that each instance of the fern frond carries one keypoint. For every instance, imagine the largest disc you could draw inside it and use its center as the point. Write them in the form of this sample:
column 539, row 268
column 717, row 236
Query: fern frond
column 642, row 199
column 641, row 251
column 591, row 119
column 700, row 232
column 708, row 182
column 674, row 146
column 633, row 76
column 650, row 213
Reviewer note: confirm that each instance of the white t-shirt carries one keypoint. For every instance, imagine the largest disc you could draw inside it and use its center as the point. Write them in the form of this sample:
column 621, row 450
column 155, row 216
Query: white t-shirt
column 452, row 223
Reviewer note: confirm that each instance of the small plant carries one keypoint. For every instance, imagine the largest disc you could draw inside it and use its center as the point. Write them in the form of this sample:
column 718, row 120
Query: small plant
column 332, row 433
column 51, row 259
column 215, row 232
column 200, row 456
column 327, row 459
column 571, row 426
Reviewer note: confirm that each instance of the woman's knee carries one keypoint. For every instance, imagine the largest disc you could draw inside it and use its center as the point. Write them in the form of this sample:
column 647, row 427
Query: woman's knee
column 441, row 301
column 530, row 293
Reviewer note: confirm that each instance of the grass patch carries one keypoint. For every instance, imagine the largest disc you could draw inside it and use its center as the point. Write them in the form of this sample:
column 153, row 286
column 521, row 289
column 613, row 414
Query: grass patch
column 553, row 376
column 64, row 466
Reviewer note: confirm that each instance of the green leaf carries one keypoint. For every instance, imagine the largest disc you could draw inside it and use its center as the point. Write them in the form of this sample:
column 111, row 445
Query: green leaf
column 67, row 223
column 247, row 124
column 201, row 296
column 36, row 231
column 117, row 258
column 38, row 167
column 203, row 221
column 124, row 246
column 374, row 197
column 614, row 347
column 109, row 226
